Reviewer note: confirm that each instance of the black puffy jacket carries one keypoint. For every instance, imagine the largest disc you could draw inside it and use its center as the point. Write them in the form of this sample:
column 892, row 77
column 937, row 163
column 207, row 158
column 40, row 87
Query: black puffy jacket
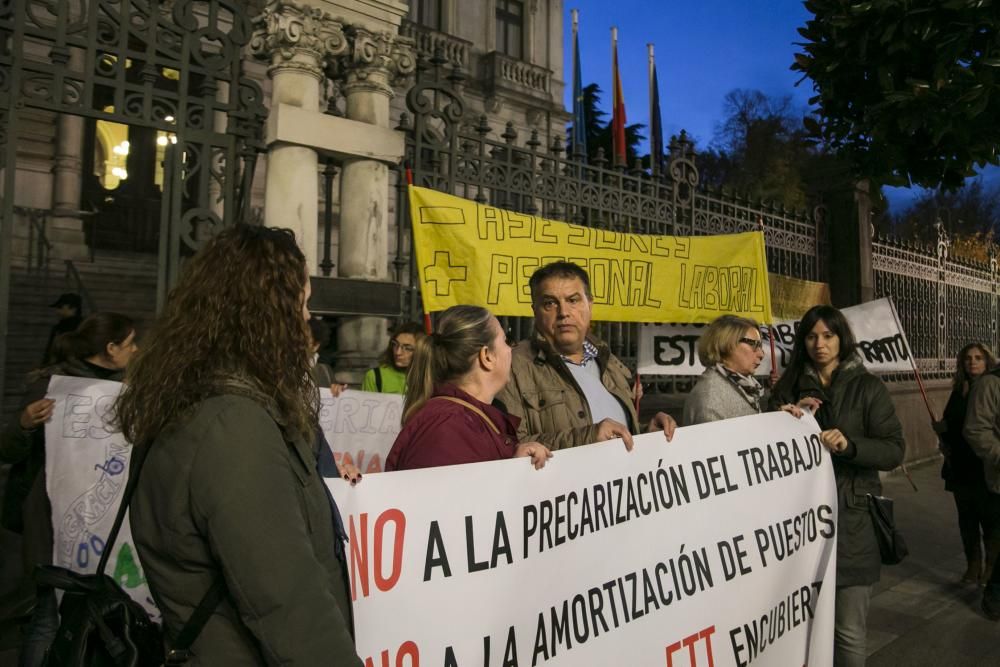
column 857, row 403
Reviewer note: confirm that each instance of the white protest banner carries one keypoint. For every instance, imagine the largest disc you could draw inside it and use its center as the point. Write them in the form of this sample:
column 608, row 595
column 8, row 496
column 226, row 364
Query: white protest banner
column 86, row 468
column 672, row 349
column 360, row 426
column 87, row 463
column 717, row 548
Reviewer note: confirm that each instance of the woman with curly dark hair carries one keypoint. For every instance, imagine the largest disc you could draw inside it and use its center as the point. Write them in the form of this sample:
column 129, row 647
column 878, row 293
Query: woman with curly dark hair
column 863, row 435
column 222, row 400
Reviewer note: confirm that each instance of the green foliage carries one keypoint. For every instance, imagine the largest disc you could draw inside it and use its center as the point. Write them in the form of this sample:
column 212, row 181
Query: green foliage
column 761, row 150
column 598, row 130
column 970, row 216
column 908, row 90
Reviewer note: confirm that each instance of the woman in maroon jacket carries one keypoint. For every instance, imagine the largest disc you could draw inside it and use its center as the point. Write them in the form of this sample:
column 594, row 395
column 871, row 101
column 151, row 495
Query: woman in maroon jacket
column 449, row 417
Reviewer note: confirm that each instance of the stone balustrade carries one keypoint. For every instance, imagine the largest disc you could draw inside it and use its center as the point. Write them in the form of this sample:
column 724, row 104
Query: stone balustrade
column 510, row 75
column 427, row 41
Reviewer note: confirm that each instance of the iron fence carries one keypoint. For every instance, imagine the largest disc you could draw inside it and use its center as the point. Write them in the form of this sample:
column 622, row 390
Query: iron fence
column 943, row 302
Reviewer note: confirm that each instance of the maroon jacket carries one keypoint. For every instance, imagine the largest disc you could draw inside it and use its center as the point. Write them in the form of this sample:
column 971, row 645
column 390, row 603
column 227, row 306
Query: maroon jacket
column 444, row 433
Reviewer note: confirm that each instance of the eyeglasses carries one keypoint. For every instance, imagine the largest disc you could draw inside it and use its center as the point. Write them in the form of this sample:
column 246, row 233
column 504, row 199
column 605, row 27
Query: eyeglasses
column 755, row 343
column 396, row 345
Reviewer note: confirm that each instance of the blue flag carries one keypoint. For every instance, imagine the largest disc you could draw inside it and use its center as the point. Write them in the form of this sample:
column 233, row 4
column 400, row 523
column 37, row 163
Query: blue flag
column 579, row 136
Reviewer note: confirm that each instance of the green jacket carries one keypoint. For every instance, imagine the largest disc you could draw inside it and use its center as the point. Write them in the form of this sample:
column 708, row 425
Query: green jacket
column 549, row 402
column 857, row 403
column 393, row 380
column 225, row 493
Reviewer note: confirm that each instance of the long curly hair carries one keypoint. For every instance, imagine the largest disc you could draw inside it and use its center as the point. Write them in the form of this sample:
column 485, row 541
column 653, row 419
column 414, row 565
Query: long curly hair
column 236, row 313
column 961, row 379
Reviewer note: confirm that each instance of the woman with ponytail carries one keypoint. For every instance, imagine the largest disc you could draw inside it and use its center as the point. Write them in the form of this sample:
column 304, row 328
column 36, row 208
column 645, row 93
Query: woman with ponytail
column 449, row 416
column 100, row 348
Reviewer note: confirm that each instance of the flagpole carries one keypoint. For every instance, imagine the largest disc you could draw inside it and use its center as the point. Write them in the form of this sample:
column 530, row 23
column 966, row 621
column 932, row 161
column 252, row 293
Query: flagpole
column 653, row 159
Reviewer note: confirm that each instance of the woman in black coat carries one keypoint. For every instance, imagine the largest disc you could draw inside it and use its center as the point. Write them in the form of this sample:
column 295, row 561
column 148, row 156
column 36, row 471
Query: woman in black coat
column 863, row 435
column 963, row 470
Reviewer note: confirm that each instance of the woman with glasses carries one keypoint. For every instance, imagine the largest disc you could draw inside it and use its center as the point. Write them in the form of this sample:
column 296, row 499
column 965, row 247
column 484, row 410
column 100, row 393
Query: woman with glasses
column 861, row 431
column 731, row 350
column 389, row 377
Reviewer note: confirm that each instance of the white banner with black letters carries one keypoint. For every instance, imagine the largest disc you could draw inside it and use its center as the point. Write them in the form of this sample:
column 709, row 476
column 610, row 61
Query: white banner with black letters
column 672, row 349
column 717, row 548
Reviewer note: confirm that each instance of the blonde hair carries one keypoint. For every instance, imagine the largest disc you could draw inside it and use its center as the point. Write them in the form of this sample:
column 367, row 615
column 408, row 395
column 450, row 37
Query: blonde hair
column 446, row 354
column 722, row 336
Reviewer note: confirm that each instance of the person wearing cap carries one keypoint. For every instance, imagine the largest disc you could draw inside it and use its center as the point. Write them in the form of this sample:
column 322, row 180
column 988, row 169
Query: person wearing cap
column 69, row 308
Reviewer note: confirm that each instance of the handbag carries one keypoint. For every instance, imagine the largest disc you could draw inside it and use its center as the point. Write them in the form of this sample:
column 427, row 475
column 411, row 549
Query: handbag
column 891, row 545
column 101, row 625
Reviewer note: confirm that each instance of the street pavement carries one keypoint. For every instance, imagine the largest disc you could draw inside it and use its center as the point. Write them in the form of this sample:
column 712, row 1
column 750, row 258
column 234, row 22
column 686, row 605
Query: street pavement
column 920, row 614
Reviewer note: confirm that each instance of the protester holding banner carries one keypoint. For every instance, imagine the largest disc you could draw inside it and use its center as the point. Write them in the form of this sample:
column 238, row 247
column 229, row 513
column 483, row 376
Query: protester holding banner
column 448, row 416
column 731, row 350
column 389, row 377
column 566, row 387
column 863, row 435
column 963, row 470
column 101, row 347
column 229, row 488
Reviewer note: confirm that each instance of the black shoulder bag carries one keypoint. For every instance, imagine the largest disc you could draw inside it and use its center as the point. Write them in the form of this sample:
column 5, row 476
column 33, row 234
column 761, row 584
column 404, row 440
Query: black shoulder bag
column 100, row 625
column 891, row 545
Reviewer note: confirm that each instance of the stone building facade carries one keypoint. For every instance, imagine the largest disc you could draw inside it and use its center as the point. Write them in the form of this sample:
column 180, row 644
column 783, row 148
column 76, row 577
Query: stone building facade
column 333, row 76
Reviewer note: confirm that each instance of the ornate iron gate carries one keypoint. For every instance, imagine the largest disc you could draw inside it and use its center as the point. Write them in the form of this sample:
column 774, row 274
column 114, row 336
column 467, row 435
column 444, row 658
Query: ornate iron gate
column 171, row 65
column 451, row 152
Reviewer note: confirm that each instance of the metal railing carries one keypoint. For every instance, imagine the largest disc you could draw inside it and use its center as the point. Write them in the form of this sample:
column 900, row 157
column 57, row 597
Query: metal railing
column 39, row 254
column 943, row 302
column 452, row 153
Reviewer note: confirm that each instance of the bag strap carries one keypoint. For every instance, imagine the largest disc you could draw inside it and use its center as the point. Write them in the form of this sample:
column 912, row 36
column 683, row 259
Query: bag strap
column 470, row 406
column 378, row 379
column 180, row 653
column 138, row 458
column 213, row 596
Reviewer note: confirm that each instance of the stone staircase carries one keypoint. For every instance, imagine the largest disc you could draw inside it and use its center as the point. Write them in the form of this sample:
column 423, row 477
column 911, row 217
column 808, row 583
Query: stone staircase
column 118, row 282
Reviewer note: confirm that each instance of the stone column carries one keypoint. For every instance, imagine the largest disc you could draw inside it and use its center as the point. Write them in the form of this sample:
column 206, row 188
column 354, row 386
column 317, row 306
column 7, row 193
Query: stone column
column 374, row 61
column 295, row 38
column 65, row 229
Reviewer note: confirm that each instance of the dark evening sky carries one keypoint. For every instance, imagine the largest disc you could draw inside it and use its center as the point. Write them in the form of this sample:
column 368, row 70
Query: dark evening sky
column 703, row 50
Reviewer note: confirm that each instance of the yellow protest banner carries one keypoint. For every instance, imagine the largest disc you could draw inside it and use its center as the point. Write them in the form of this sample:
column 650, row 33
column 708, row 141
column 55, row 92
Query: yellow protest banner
column 469, row 253
column 792, row 297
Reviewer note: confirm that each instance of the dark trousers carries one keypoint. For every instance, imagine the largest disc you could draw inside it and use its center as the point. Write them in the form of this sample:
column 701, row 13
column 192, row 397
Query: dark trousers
column 992, row 592
column 974, row 524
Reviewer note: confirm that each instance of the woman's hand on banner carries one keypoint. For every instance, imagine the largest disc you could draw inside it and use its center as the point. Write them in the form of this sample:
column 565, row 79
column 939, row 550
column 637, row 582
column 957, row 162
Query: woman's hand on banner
column 349, row 472
column 538, row 452
column 663, row 422
column 37, row 413
column 337, row 389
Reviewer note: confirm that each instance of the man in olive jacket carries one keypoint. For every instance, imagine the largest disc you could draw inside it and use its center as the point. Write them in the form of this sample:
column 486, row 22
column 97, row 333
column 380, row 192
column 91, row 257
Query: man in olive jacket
column 565, row 385
column 982, row 431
